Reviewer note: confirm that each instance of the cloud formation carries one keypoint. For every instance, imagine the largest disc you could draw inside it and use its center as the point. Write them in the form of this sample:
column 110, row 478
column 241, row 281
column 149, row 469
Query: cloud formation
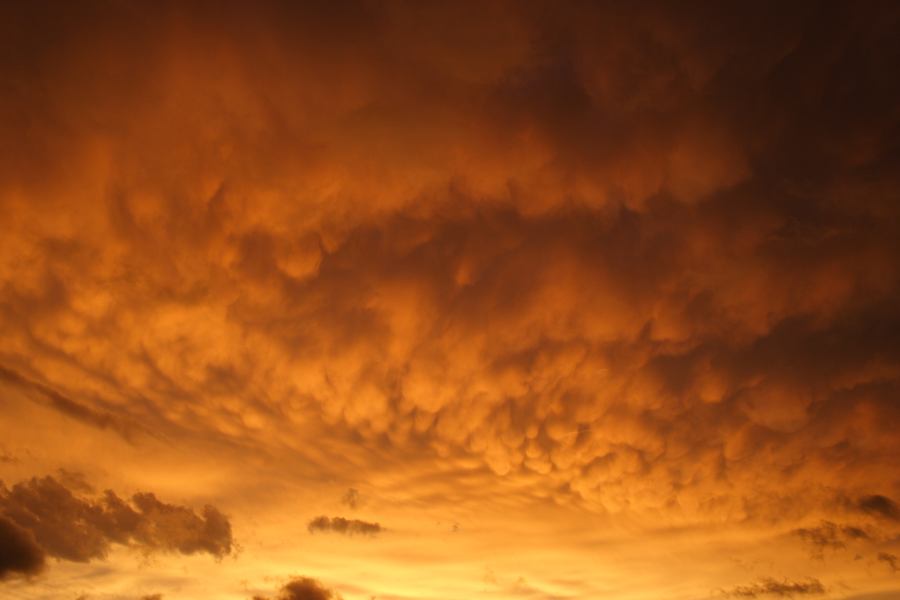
column 880, row 506
column 638, row 261
column 72, row 527
column 304, row 588
column 829, row 536
column 603, row 259
column 19, row 553
column 779, row 589
column 344, row 526
column 889, row 559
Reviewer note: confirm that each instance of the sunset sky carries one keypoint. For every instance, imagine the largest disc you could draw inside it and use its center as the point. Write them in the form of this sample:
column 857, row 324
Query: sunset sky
column 526, row 300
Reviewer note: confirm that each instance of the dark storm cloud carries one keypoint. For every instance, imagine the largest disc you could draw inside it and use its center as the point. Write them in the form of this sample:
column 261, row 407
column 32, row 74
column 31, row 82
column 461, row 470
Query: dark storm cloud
column 303, row 588
column 344, row 526
column 19, row 553
column 769, row 587
column 69, row 526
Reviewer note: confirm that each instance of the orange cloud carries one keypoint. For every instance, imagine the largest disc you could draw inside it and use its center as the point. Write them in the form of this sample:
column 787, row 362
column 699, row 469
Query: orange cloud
column 513, row 263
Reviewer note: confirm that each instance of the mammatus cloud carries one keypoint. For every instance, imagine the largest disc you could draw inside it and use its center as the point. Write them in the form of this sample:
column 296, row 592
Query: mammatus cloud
column 303, row 588
column 633, row 282
column 769, row 587
column 73, row 527
column 19, row 553
column 344, row 526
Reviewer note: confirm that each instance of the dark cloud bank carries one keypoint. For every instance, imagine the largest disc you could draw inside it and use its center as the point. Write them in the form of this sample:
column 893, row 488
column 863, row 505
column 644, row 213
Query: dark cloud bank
column 41, row 518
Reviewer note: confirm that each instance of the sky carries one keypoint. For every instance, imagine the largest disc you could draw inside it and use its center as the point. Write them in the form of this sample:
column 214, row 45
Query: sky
column 526, row 300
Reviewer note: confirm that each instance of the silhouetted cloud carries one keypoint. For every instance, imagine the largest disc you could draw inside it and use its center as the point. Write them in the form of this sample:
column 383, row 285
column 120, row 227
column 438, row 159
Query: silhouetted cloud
column 775, row 588
column 77, row 528
column 880, row 506
column 345, row 526
column 19, row 553
column 303, row 588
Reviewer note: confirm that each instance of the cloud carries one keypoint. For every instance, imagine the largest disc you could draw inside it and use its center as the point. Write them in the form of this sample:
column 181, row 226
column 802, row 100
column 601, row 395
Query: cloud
column 829, row 536
column 344, row 526
column 64, row 404
column 629, row 259
column 19, row 553
column 775, row 588
column 69, row 526
column 602, row 257
column 889, row 559
column 880, row 506
column 351, row 498
column 304, row 588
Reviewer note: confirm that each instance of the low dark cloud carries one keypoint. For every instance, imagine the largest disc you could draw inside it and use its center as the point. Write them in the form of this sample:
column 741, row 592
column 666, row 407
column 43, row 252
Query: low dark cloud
column 19, row 553
column 344, row 526
column 73, row 527
column 879, row 506
column 779, row 589
column 890, row 559
column 303, row 588
column 829, row 536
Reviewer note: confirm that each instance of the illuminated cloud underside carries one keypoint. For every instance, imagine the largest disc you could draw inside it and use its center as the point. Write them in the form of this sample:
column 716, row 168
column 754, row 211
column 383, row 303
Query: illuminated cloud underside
column 527, row 300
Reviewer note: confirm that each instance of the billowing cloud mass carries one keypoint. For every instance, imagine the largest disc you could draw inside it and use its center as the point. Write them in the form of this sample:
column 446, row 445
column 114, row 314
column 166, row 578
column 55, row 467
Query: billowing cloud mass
column 579, row 277
column 342, row 525
column 351, row 498
column 71, row 527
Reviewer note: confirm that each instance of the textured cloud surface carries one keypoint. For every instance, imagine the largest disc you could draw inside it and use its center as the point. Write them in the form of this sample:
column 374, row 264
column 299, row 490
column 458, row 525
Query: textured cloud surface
column 603, row 283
